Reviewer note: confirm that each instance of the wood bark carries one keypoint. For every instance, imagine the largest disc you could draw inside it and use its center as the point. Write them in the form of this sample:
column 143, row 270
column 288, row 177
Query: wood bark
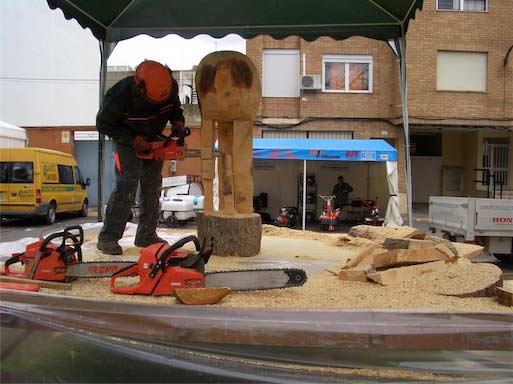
column 238, row 235
column 201, row 296
column 505, row 296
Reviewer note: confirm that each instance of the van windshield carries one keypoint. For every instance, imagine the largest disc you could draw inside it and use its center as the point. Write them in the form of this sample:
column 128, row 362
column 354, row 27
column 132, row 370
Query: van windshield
column 16, row 172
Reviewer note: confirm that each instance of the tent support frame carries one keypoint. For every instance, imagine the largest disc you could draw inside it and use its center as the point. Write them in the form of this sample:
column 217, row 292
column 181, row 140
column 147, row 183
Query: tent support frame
column 304, row 195
column 106, row 49
column 401, row 45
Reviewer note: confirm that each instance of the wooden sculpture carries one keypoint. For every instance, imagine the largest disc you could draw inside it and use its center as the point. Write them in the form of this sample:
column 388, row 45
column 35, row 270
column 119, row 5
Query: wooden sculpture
column 229, row 94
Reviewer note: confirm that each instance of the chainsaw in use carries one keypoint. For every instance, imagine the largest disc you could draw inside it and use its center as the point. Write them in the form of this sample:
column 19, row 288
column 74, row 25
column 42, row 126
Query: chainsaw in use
column 170, row 148
column 161, row 268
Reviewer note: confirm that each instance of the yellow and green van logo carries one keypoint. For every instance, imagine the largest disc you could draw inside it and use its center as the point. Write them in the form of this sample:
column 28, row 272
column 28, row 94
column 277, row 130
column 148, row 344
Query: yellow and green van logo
column 50, row 173
column 24, row 194
column 57, row 188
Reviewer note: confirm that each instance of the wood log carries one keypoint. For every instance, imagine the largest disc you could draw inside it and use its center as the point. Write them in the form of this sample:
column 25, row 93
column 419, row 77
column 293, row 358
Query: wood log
column 401, row 257
column 361, row 242
column 358, row 273
column 398, row 275
column 201, row 296
column 447, row 243
column 505, row 296
column 392, row 243
column 238, row 235
column 366, row 256
column 41, row 283
column 379, row 234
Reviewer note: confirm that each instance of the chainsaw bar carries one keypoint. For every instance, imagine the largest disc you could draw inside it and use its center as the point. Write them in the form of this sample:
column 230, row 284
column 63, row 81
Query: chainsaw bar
column 197, row 153
column 256, row 279
column 96, row 269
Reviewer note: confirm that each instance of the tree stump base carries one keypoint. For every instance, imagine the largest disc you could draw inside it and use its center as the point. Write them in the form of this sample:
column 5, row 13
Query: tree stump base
column 237, row 235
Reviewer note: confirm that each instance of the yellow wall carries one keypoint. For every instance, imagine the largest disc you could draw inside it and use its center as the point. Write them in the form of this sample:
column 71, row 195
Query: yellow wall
column 465, row 149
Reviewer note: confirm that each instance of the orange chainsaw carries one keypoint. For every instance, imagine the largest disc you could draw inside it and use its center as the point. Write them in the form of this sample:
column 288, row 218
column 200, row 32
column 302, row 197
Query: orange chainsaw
column 169, row 148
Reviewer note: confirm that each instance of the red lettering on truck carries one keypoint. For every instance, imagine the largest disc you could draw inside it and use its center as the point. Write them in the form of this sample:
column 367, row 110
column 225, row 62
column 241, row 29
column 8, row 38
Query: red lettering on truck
column 502, row 220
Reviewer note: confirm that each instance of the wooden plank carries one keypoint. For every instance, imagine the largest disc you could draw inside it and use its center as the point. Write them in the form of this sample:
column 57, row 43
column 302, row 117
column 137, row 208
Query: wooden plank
column 398, row 275
column 41, row 283
column 401, row 257
column 366, row 256
column 468, row 251
column 392, row 243
column 447, row 243
column 358, row 273
column 379, row 234
column 505, row 296
column 201, row 296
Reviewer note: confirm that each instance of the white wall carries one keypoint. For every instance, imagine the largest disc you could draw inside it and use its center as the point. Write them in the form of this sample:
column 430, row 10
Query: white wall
column 48, row 67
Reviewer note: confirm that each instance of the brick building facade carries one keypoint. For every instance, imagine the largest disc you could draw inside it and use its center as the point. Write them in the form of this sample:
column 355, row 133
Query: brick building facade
column 457, row 127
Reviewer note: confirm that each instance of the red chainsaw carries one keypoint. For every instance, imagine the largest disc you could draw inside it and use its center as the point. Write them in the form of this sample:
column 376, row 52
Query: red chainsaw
column 45, row 260
column 169, row 148
column 162, row 268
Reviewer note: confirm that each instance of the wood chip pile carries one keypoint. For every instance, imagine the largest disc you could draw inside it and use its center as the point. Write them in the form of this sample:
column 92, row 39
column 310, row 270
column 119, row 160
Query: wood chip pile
column 403, row 255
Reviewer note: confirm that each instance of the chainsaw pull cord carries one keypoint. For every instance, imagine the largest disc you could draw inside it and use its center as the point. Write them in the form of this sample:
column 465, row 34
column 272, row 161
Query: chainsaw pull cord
column 160, row 264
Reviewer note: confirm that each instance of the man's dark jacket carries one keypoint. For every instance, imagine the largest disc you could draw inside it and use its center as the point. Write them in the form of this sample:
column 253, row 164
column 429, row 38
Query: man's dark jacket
column 124, row 116
column 341, row 192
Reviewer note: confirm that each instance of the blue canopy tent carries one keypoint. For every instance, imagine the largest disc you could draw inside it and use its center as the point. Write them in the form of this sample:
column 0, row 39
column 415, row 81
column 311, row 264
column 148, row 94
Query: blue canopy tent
column 336, row 150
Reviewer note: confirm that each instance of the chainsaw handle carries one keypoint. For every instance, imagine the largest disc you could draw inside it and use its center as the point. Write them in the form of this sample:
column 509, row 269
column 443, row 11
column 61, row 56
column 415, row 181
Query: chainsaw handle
column 160, row 264
column 130, row 271
column 12, row 260
column 77, row 242
column 145, row 155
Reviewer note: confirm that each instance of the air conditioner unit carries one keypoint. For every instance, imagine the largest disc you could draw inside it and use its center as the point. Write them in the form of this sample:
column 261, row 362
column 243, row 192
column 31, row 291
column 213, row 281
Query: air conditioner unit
column 310, row 82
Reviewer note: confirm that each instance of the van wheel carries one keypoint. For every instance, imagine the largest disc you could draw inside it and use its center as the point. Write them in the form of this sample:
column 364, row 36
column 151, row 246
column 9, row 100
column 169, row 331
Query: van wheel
column 51, row 214
column 85, row 209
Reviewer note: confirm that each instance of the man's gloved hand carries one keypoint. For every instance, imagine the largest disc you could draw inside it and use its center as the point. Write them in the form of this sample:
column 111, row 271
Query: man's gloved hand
column 140, row 144
column 179, row 131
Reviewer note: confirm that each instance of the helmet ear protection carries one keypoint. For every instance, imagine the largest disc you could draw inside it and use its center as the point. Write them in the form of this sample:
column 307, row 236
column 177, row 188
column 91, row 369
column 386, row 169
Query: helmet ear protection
column 154, row 81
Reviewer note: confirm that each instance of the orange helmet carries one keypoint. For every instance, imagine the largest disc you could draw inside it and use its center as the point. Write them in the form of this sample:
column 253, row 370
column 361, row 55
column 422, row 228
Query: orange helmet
column 155, row 79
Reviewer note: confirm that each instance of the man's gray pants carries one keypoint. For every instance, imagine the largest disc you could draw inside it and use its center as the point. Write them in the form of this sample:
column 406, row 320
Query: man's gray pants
column 130, row 170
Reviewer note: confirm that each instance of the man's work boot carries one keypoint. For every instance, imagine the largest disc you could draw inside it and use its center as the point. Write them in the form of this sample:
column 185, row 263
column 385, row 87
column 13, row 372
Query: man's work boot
column 143, row 243
column 109, row 247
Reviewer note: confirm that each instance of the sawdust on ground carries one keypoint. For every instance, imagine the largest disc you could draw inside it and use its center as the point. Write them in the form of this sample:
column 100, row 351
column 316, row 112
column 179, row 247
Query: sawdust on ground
column 322, row 291
column 271, row 230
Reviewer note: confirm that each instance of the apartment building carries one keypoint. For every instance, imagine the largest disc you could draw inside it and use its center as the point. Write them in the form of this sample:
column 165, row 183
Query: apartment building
column 460, row 85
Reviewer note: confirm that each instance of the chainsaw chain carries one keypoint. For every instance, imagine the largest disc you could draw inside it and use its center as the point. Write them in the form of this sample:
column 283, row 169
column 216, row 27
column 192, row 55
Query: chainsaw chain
column 299, row 283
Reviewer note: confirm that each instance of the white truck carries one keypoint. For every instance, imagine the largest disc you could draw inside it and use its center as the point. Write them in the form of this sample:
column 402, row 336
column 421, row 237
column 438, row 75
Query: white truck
column 488, row 222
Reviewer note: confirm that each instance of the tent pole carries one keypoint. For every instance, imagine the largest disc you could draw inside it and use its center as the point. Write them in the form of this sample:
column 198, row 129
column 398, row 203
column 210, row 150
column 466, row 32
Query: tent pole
column 304, row 195
column 406, row 124
column 104, row 52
